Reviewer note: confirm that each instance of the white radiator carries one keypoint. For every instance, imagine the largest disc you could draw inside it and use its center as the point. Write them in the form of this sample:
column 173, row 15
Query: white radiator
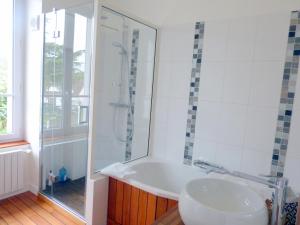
column 12, row 166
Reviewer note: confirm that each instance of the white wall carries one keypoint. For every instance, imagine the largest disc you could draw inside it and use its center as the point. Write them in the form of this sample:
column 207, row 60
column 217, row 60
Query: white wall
column 175, row 49
column 33, row 73
column 239, row 94
column 240, row 90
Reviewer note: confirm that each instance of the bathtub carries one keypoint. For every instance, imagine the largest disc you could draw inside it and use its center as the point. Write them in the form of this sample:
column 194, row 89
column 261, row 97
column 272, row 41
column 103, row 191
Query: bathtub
column 167, row 179
column 161, row 178
column 153, row 189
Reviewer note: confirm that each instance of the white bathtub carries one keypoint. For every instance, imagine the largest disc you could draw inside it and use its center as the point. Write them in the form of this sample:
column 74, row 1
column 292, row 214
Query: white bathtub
column 166, row 179
column 161, row 178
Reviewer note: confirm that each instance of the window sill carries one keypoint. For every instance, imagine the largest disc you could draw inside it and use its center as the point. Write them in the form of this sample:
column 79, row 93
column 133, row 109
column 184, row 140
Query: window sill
column 15, row 146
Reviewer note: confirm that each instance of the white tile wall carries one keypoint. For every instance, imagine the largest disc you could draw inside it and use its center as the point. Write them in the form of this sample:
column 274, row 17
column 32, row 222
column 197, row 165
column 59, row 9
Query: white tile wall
column 239, row 93
column 266, row 81
column 215, row 47
column 245, row 121
column 240, row 42
column 176, row 128
column 229, row 156
column 207, row 151
column 255, row 162
column 264, row 43
column 208, row 122
column 237, row 82
column 260, row 128
column 179, row 79
column 212, row 81
column 292, row 167
column 233, row 124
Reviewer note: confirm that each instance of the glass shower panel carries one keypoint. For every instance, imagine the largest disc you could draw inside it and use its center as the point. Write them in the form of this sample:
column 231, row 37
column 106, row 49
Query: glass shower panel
column 66, row 90
column 124, row 89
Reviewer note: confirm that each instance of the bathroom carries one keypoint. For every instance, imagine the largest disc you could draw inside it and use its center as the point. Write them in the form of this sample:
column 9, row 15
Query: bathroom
column 150, row 112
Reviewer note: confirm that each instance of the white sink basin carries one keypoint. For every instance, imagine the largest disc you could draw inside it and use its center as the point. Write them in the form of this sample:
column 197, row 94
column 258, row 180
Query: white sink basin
column 210, row 201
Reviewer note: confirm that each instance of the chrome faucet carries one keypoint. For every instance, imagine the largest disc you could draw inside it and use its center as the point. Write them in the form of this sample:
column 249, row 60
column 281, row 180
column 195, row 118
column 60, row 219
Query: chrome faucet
column 279, row 184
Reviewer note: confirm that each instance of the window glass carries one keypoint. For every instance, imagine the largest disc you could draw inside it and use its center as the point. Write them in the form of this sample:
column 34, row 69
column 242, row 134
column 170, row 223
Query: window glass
column 54, row 70
column 66, row 73
column 6, row 67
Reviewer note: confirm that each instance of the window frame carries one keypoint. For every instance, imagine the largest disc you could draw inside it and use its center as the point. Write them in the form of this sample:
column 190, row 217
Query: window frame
column 18, row 34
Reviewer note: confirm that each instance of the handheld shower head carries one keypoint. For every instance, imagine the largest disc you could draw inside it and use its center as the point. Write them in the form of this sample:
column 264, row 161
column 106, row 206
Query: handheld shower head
column 119, row 45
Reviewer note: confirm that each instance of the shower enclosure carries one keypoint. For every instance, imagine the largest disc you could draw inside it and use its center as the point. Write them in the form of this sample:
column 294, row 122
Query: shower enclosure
column 124, row 68
column 121, row 103
column 66, row 95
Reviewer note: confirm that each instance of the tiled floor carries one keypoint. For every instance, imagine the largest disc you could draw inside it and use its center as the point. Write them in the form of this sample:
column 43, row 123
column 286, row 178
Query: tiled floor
column 28, row 209
column 70, row 193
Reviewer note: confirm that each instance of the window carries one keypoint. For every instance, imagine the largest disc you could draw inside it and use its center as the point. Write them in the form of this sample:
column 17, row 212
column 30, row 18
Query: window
column 66, row 73
column 10, row 90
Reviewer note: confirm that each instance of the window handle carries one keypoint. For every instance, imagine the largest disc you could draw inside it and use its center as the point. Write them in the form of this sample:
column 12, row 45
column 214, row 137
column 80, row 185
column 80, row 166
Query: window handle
column 83, row 114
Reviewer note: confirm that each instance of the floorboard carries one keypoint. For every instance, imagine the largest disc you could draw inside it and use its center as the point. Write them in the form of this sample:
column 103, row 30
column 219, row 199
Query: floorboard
column 28, row 209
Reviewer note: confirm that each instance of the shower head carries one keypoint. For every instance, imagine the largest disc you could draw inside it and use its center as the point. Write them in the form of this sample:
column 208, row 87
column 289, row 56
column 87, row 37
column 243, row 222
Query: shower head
column 119, row 45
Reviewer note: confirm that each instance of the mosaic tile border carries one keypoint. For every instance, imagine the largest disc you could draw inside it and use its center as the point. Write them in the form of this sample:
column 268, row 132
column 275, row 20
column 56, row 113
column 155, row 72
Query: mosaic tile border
column 194, row 92
column 132, row 90
column 288, row 89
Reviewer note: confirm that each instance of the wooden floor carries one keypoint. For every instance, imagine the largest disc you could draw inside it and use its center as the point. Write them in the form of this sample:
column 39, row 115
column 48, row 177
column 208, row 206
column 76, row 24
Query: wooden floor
column 28, row 209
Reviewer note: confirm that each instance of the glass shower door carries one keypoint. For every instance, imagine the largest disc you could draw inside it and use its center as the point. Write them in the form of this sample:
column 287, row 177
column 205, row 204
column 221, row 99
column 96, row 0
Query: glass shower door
column 123, row 95
column 66, row 89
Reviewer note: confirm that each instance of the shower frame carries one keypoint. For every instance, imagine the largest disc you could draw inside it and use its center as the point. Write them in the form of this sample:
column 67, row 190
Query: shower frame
column 99, row 5
column 80, row 128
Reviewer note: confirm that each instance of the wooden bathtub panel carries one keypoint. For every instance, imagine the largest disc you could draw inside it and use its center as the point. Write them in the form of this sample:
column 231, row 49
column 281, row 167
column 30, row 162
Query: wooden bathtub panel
column 119, row 202
column 161, row 207
column 143, row 200
column 171, row 204
column 135, row 193
column 129, row 205
column 126, row 204
column 112, row 198
column 110, row 222
column 151, row 209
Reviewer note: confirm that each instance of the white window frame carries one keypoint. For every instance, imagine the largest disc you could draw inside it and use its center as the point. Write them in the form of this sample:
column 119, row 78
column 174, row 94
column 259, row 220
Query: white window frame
column 17, row 73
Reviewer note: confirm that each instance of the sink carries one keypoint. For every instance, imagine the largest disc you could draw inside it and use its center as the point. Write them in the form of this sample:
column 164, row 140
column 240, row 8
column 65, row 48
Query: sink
column 211, row 201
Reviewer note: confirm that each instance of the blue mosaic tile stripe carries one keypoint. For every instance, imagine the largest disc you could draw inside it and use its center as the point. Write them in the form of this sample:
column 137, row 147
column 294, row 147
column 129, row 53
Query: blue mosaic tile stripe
column 291, row 213
column 194, row 92
column 287, row 96
column 132, row 91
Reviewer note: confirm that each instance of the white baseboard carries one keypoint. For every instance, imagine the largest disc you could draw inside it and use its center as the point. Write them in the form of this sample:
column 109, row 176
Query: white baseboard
column 13, row 193
column 34, row 189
